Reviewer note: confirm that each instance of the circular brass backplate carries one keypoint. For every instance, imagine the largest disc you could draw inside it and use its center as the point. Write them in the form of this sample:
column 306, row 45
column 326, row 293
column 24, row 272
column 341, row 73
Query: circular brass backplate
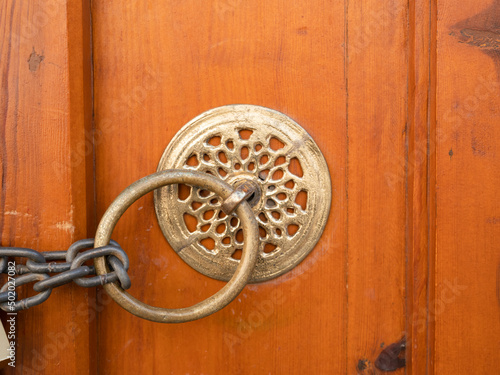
column 237, row 143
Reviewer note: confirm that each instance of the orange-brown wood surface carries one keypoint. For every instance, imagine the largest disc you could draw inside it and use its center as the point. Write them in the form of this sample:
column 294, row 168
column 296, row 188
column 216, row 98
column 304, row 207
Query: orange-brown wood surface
column 153, row 77
column 401, row 97
column 46, row 173
column 466, row 307
column 419, row 185
column 377, row 68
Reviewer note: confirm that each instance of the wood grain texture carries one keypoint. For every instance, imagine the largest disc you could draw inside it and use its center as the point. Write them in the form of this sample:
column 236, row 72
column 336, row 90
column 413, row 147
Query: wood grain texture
column 466, row 307
column 420, row 185
column 401, row 97
column 44, row 202
column 377, row 70
column 158, row 65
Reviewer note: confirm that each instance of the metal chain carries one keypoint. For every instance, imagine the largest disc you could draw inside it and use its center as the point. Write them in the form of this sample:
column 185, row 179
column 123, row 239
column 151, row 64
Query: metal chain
column 69, row 266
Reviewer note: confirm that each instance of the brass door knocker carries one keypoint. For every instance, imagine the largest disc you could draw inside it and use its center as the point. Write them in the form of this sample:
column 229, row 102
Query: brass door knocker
column 257, row 191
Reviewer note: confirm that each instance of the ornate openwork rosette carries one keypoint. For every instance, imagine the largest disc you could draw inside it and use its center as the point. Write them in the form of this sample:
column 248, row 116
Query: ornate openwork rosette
column 291, row 203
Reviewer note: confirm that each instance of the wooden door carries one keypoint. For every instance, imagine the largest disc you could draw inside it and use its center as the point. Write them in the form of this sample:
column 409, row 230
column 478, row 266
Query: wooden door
column 402, row 99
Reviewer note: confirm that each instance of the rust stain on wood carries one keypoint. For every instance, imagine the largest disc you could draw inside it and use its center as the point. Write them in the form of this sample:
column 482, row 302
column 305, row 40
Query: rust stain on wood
column 482, row 31
column 390, row 359
column 484, row 39
column 362, row 364
column 34, row 60
column 302, row 30
column 493, row 220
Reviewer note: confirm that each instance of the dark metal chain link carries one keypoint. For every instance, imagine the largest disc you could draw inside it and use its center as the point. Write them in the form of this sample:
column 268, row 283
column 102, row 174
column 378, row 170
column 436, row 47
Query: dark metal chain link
column 69, row 266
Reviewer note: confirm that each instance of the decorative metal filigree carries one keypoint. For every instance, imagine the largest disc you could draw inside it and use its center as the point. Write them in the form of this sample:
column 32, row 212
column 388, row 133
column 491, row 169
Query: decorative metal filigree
column 291, row 204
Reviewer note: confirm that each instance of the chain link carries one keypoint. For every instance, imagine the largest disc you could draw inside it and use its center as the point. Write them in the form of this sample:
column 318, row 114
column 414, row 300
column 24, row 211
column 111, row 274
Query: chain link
column 69, row 266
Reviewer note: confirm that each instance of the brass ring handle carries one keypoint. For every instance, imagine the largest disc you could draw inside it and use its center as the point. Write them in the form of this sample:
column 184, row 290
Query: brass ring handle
column 208, row 306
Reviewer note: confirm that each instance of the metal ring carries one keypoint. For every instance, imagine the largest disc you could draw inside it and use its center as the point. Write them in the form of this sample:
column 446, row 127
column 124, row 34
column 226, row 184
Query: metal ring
column 120, row 271
column 212, row 304
column 94, row 253
column 26, row 303
column 52, row 267
column 87, row 243
column 22, row 252
column 241, row 193
column 62, row 279
column 4, row 296
column 3, row 264
column 54, row 255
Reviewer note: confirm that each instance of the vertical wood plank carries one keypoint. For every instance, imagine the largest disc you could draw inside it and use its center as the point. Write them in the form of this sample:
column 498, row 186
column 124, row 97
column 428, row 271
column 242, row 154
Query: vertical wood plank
column 46, row 170
column 377, row 72
column 466, row 307
column 420, row 151
column 158, row 65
